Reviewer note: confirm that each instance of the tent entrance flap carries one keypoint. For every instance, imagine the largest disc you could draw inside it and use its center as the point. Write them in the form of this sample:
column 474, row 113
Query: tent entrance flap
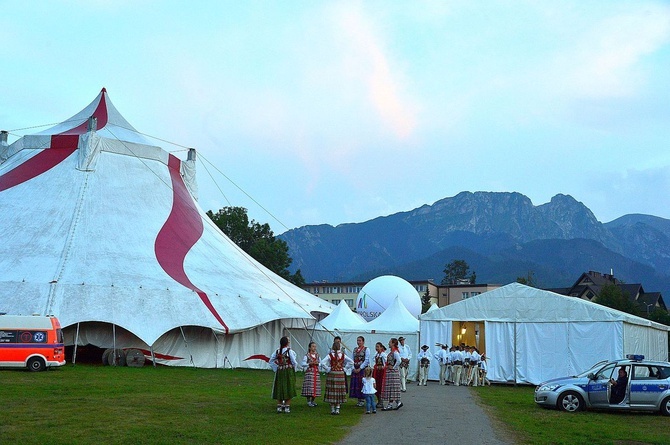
column 469, row 333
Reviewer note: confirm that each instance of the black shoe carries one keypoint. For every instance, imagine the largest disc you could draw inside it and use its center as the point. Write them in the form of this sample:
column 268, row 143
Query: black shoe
column 399, row 406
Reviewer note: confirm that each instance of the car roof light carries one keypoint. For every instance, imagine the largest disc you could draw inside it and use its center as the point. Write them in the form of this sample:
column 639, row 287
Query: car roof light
column 635, row 357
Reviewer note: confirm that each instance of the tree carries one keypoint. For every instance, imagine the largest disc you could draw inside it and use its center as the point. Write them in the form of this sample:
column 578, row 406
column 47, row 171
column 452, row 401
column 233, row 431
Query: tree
column 457, row 271
column 257, row 240
column 612, row 296
column 528, row 280
column 660, row 316
column 425, row 302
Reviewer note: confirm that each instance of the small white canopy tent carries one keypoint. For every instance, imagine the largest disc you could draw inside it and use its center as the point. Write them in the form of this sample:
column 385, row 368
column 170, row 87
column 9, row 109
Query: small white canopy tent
column 101, row 227
column 342, row 318
column 532, row 335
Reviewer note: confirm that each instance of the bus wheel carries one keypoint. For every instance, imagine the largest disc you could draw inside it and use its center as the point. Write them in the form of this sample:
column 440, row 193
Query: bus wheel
column 36, row 364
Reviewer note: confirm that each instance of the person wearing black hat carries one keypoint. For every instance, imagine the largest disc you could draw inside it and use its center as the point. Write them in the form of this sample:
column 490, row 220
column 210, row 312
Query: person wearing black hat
column 424, row 363
column 405, row 357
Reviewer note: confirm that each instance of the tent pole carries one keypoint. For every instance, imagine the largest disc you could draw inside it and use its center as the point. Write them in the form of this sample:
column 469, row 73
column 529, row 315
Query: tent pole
column 76, row 341
column 216, row 350
column 186, row 344
column 153, row 357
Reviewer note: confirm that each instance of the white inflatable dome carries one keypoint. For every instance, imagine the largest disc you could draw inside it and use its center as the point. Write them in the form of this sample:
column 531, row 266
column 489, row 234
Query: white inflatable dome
column 380, row 292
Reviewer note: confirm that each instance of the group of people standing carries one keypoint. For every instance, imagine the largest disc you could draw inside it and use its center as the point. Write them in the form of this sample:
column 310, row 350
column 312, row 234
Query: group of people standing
column 460, row 365
column 376, row 381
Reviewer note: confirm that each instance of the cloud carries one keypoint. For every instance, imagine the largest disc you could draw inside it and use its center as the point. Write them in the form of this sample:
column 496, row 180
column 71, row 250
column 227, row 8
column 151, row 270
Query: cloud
column 370, row 62
column 605, row 61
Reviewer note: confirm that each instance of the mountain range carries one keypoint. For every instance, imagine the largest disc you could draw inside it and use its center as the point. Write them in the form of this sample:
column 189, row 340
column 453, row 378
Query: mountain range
column 501, row 235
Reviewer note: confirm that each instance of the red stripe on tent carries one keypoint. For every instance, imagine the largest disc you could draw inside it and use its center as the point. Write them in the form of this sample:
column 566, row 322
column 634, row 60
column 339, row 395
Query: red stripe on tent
column 265, row 358
column 182, row 229
column 100, row 114
column 147, row 353
column 35, row 166
column 62, row 145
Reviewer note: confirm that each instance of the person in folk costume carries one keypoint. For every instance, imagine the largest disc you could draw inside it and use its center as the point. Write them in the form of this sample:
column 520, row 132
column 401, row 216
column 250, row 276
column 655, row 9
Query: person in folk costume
column 442, row 357
column 335, row 364
column 466, row 366
column 337, row 339
column 450, row 365
column 283, row 363
column 405, row 355
column 361, row 361
column 311, row 386
column 379, row 370
column 474, row 362
column 457, row 358
column 423, row 358
column 391, row 388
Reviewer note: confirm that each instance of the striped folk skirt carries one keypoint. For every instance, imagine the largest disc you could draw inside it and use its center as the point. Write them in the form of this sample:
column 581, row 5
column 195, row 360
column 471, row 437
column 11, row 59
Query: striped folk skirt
column 336, row 387
column 391, row 388
column 311, row 386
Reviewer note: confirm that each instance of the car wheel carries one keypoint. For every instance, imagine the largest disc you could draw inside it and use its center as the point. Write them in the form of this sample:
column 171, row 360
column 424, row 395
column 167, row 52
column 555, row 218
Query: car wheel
column 665, row 406
column 570, row 402
column 36, row 364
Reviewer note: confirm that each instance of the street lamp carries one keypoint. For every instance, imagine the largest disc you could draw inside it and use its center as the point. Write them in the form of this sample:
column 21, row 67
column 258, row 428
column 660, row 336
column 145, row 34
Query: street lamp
column 650, row 304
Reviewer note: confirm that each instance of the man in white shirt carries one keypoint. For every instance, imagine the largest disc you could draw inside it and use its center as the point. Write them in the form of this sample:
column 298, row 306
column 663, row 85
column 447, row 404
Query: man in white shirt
column 442, row 358
column 474, row 363
column 457, row 357
column 424, row 364
column 405, row 357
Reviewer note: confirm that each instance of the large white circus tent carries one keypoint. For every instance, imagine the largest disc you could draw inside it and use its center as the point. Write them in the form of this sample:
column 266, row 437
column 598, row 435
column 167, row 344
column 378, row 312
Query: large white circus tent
column 101, row 227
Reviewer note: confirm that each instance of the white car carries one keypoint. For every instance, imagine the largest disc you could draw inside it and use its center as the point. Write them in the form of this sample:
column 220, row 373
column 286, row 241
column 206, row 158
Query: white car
column 643, row 386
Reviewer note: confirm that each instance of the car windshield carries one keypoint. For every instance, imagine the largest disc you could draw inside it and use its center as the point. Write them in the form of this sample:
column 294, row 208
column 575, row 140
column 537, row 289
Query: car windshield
column 593, row 369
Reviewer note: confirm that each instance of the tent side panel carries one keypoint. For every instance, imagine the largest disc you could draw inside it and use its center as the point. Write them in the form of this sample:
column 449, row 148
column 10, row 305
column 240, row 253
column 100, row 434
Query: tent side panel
column 652, row 343
column 433, row 332
column 541, row 351
column 500, row 351
column 592, row 342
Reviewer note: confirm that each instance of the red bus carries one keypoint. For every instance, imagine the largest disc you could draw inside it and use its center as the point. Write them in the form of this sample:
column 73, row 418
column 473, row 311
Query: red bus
column 33, row 342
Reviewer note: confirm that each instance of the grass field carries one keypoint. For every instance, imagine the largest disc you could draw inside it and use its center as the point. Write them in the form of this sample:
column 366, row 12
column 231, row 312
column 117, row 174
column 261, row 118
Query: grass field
column 515, row 409
column 119, row 405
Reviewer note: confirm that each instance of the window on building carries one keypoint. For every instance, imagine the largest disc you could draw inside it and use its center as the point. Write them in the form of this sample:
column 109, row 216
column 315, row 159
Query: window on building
column 350, row 302
column 465, row 295
column 335, row 301
column 472, row 294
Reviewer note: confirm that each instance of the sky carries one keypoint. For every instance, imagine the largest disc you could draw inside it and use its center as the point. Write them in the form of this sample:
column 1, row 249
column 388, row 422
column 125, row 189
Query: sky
column 330, row 112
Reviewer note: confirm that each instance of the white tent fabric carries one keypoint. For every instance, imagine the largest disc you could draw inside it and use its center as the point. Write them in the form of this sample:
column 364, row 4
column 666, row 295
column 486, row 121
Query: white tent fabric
column 533, row 335
column 432, row 307
column 342, row 319
column 396, row 318
column 100, row 229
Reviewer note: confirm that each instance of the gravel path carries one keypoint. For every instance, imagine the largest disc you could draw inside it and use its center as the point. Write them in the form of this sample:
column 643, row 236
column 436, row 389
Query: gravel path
column 430, row 414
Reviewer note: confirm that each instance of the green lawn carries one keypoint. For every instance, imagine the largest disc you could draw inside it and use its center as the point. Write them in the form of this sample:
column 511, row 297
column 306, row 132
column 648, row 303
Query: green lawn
column 119, row 405
column 515, row 408
column 114, row 405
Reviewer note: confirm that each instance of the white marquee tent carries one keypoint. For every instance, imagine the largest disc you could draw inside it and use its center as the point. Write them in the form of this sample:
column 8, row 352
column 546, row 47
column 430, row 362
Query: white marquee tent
column 101, row 227
column 531, row 335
